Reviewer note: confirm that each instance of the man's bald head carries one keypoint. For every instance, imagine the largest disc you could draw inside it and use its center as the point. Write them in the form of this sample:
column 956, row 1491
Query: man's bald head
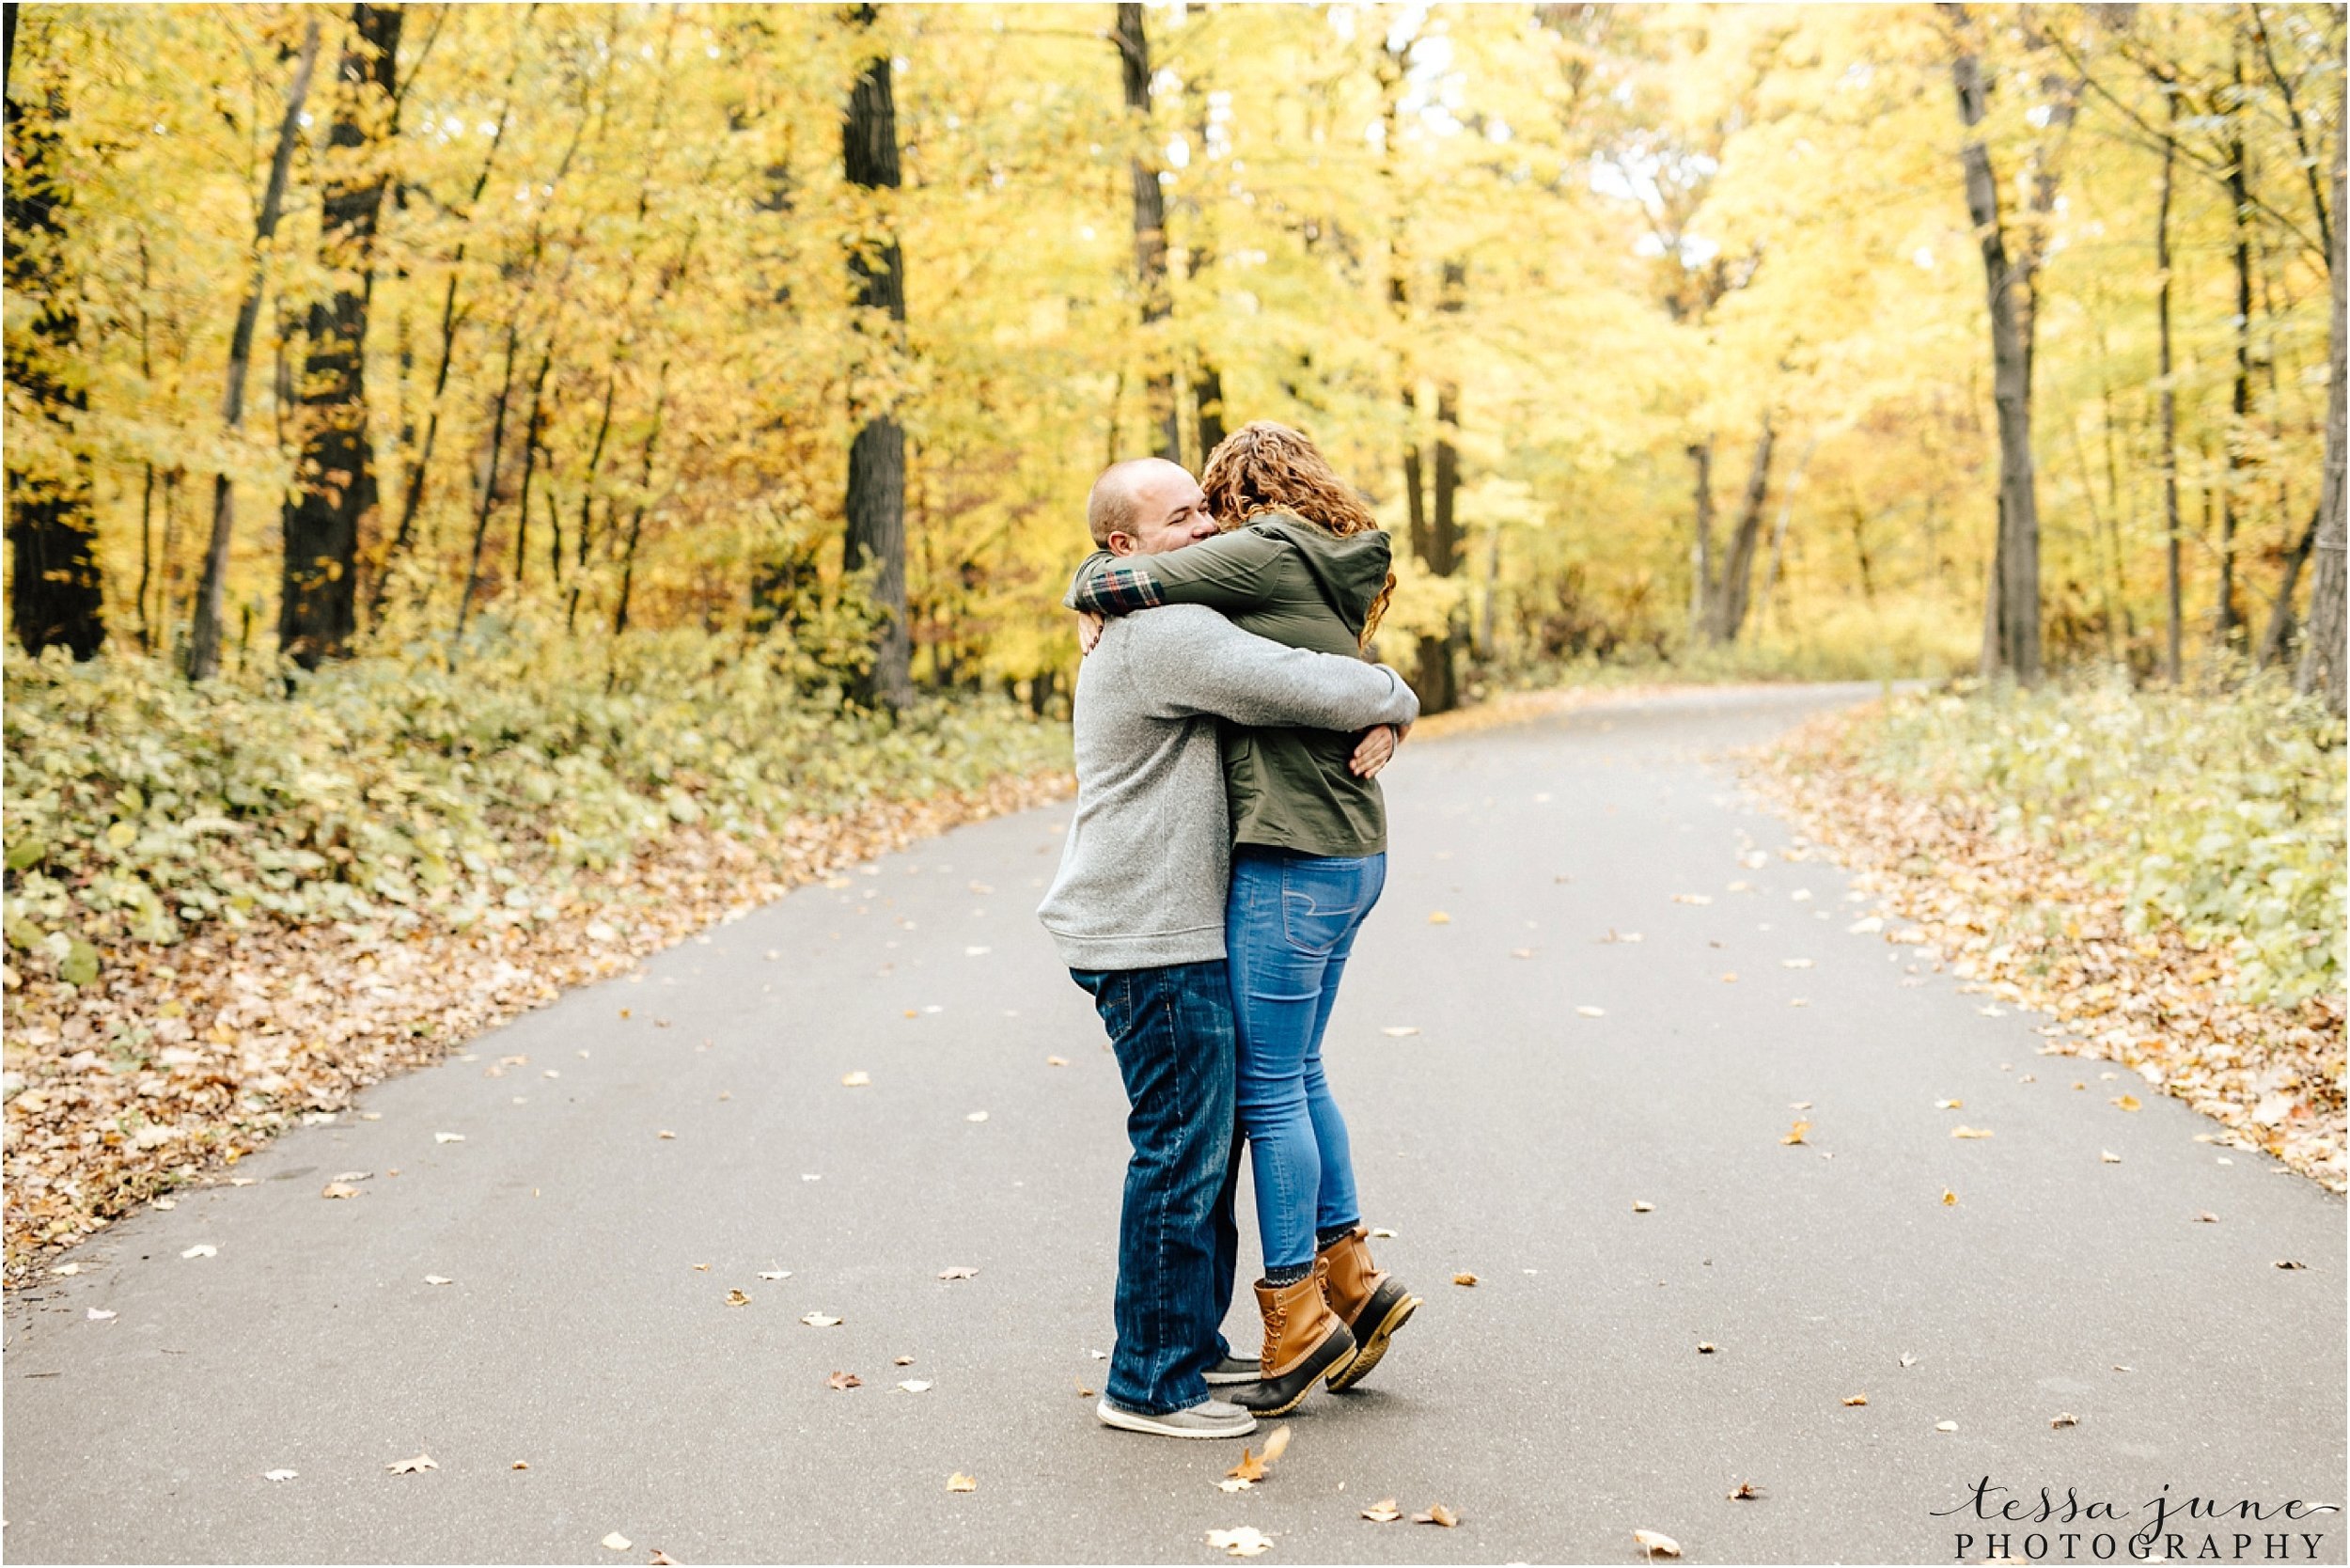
column 1138, row 499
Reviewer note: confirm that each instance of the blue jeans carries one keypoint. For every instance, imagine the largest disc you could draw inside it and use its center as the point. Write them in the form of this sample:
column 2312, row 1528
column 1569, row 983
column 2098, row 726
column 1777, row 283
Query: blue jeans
column 1173, row 1030
column 1289, row 924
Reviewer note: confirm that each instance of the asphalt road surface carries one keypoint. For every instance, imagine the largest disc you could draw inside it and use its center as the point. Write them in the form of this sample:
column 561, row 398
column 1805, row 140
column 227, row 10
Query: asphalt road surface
column 684, row 1132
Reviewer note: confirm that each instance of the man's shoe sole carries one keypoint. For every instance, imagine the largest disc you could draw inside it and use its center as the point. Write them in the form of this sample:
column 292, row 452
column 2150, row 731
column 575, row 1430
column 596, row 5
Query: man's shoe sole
column 1374, row 1345
column 1305, row 1375
column 1134, row 1421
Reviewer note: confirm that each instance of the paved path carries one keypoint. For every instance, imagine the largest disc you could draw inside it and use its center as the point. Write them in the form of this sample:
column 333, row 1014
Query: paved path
column 1557, row 1406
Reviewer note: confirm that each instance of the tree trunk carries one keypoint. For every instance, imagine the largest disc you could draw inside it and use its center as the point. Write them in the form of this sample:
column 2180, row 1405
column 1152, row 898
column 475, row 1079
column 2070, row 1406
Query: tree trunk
column 1702, row 546
column 1786, row 511
column 55, row 598
column 2169, row 398
column 1439, row 657
column 1738, row 566
column 204, row 636
column 2224, row 617
column 1133, row 55
column 2322, row 650
column 2279, row 634
column 2014, row 612
column 1207, row 394
column 875, row 535
column 335, row 477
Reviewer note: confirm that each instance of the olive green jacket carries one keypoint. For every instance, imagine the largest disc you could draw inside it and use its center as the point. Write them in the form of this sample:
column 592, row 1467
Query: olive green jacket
column 1287, row 580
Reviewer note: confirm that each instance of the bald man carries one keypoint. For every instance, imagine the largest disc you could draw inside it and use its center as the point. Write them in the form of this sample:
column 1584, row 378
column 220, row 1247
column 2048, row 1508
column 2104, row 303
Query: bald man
column 1137, row 914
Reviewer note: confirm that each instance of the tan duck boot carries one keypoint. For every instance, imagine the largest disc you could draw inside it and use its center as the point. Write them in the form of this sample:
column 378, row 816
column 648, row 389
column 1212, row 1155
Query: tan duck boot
column 1303, row 1341
column 1372, row 1304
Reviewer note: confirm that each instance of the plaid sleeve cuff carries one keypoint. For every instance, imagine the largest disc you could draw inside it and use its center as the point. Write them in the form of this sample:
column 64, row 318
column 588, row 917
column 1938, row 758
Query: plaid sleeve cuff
column 1118, row 590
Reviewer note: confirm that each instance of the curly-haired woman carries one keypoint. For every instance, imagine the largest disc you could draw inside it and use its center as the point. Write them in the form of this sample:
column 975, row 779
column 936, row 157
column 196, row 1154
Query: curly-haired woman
column 1301, row 562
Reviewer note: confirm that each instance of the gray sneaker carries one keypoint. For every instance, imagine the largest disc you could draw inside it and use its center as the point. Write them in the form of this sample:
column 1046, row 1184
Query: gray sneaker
column 1232, row 1369
column 1209, row 1417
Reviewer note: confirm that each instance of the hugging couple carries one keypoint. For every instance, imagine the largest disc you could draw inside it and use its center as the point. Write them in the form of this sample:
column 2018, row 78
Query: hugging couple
column 1229, row 841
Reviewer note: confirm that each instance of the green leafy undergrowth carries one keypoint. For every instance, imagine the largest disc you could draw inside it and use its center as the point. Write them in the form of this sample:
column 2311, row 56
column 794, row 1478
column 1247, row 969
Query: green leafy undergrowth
column 2223, row 815
column 392, row 791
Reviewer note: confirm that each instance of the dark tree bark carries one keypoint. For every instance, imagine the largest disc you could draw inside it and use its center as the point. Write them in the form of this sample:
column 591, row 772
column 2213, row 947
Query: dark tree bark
column 54, row 599
column 1440, row 682
column 1701, row 544
column 204, row 636
column 876, row 532
column 2170, row 398
column 2011, row 642
column 2278, row 638
column 335, row 477
column 1207, row 394
column 1133, row 57
column 2322, row 650
column 2224, row 617
column 1731, row 594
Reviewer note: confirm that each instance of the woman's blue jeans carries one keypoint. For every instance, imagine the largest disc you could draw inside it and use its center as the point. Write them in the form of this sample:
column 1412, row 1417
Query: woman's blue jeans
column 1289, row 924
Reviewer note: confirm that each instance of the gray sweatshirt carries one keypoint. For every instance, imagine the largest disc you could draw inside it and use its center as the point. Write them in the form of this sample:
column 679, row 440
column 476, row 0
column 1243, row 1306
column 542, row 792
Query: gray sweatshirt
column 1148, row 860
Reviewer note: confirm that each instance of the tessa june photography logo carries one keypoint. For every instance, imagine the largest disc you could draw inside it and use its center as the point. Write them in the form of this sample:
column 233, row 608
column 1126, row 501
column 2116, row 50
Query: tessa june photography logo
column 2009, row 1524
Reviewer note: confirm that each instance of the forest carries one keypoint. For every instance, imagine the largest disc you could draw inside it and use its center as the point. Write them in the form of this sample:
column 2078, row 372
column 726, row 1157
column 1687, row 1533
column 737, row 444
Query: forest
column 1880, row 340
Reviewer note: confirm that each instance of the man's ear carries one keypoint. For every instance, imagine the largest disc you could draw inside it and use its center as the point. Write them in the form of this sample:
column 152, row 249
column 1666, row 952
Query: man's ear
column 1122, row 542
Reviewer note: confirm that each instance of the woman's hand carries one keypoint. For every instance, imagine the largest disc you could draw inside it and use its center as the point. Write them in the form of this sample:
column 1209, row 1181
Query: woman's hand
column 1089, row 631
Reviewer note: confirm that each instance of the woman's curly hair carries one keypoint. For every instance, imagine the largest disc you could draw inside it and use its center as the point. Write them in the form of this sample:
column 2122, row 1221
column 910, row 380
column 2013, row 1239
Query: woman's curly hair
column 1263, row 467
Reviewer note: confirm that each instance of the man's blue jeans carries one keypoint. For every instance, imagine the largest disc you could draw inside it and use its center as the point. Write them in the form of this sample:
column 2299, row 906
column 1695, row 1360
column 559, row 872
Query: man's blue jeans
column 1289, row 925
column 1173, row 1030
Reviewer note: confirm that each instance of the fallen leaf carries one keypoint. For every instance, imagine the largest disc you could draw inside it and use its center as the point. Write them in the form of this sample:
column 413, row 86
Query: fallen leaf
column 902, row 1361
column 855, row 1080
column 1055, row 1061
column 2064, row 1417
column 1950, row 1198
column 1652, row 1542
column 1465, row 1279
column 841, row 1381
column 664, row 1133
column 774, row 1273
column 1438, row 918
column 2291, row 1263
column 1384, row 1511
column 1856, row 1398
column 737, row 1299
column 1521, row 953
column 1946, row 1426
column 1233, row 1484
column 1746, row 1491
column 101, row 1314
column 660, row 1559
column 201, row 1249
column 1705, row 1347
column 1693, row 898
column 412, row 1467
column 976, row 1116
column 1795, row 963
column 2206, row 1217
column 1907, row 1360
column 1248, row 1541
column 1592, row 1011
column 438, row 1280
column 1252, row 1466
column 279, row 1475
column 1795, row 1134
column 2109, row 1156
column 339, row 1190
column 817, row 1320
column 1970, row 1132
column 520, row 1464
column 975, row 953
column 701, row 1268
column 448, row 1137
column 961, row 1482
column 1437, row 1515
column 959, row 1272
column 1400, row 1032
column 1948, row 1104
column 1384, row 1234
column 1730, row 977
column 2127, row 1102
column 1639, row 1207
column 914, row 1385
column 616, row 1541
column 66, row 1270
column 356, row 1176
